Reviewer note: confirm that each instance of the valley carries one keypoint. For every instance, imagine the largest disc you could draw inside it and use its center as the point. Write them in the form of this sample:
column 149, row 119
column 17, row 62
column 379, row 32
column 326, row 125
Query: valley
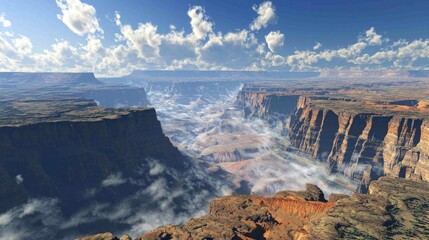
column 100, row 155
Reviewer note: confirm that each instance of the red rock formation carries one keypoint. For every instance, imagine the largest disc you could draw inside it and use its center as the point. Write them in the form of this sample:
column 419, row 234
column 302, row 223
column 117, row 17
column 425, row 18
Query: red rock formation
column 360, row 139
column 249, row 217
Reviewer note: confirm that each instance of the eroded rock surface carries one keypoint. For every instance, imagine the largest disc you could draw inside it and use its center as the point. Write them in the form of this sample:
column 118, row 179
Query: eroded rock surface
column 395, row 208
column 363, row 127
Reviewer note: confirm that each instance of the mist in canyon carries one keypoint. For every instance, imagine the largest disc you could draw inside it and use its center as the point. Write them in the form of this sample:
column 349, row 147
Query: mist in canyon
column 204, row 120
column 209, row 128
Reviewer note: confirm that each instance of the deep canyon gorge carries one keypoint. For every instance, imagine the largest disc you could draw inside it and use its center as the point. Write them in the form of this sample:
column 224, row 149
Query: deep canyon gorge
column 130, row 154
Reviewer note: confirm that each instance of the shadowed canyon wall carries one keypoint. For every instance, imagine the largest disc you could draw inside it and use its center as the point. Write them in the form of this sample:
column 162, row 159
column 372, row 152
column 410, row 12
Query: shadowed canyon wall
column 69, row 168
column 64, row 157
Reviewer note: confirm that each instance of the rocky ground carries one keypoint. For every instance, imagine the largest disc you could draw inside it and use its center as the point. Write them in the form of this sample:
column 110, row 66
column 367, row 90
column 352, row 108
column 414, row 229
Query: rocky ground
column 395, row 208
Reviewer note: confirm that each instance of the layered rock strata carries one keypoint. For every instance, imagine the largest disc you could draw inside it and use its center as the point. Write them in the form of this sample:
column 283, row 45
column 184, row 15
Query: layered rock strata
column 395, row 208
column 362, row 145
column 360, row 139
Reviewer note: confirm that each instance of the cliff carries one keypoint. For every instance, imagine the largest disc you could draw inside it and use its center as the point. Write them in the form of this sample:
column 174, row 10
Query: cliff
column 361, row 144
column 26, row 79
column 363, row 132
column 62, row 147
column 266, row 105
column 48, row 86
column 394, row 209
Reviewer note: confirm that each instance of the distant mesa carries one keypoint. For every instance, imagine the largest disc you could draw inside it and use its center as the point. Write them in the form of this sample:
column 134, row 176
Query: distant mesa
column 49, row 78
column 219, row 75
column 374, row 74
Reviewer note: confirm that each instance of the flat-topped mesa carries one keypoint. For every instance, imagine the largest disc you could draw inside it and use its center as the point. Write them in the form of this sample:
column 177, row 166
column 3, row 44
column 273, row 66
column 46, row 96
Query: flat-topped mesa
column 60, row 148
column 48, row 78
column 216, row 75
column 394, row 208
column 42, row 86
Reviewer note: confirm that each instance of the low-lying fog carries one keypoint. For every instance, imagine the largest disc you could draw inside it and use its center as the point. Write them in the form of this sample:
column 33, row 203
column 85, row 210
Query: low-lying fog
column 211, row 128
column 204, row 123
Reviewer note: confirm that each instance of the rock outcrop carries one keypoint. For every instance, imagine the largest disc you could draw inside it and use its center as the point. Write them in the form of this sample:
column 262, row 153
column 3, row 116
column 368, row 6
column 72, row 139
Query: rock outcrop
column 362, row 145
column 395, row 208
column 62, row 147
column 266, row 105
column 358, row 134
column 93, row 165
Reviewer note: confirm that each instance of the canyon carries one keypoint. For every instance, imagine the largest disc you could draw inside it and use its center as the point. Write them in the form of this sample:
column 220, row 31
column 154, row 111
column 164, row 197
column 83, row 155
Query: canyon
column 362, row 132
column 82, row 155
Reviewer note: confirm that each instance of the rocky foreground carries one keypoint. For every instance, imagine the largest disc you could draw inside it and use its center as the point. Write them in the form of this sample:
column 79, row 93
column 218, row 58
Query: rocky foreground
column 395, row 208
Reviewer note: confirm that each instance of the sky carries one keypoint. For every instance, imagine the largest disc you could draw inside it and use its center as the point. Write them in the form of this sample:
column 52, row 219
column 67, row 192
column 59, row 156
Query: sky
column 114, row 37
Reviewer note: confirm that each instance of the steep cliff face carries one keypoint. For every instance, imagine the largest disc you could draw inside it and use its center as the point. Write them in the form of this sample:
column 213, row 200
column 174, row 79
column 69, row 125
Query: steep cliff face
column 362, row 146
column 406, row 148
column 359, row 143
column 90, row 167
column 61, row 158
column 313, row 131
column 265, row 105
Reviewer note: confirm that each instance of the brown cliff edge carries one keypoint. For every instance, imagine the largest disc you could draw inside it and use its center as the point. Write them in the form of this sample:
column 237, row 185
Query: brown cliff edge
column 395, row 208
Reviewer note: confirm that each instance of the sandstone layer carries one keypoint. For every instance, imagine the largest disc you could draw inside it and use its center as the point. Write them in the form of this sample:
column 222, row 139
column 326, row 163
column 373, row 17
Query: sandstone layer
column 363, row 130
column 395, row 208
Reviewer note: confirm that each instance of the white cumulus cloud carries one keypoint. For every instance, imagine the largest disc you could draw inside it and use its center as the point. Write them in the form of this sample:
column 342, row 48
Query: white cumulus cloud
column 3, row 21
column 266, row 14
column 275, row 40
column 79, row 17
column 199, row 22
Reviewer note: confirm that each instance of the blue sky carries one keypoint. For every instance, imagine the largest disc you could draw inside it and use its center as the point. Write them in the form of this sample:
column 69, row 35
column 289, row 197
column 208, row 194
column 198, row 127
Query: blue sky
column 112, row 37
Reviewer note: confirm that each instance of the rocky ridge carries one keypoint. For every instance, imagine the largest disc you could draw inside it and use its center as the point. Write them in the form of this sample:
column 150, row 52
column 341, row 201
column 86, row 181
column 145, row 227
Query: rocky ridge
column 358, row 134
column 395, row 208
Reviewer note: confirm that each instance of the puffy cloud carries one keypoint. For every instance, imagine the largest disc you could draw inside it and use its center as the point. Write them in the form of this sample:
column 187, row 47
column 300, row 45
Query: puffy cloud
column 266, row 14
column 145, row 39
column 199, row 22
column 3, row 21
column 275, row 40
column 275, row 60
column 353, row 54
column 15, row 51
column 79, row 17
column 372, row 38
column 144, row 47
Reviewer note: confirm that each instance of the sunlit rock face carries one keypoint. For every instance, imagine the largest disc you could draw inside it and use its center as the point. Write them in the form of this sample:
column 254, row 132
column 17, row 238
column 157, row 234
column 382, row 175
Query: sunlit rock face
column 360, row 138
column 394, row 208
